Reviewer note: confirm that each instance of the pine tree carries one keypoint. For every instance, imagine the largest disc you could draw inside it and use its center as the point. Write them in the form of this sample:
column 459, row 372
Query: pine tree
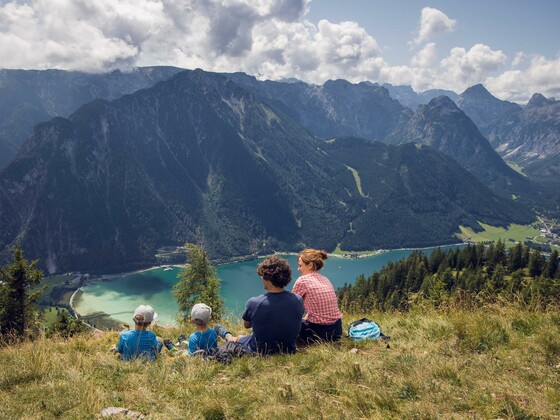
column 198, row 283
column 17, row 297
column 515, row 257
column 551, row 265
column 66, row 326
column 536, row 263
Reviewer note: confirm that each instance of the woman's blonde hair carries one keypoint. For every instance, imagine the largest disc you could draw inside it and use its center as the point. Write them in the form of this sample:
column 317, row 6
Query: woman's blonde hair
column 314, row 256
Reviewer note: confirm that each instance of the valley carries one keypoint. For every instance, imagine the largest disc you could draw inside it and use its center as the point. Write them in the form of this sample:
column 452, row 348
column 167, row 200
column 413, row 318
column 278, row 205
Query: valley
column 217, row 159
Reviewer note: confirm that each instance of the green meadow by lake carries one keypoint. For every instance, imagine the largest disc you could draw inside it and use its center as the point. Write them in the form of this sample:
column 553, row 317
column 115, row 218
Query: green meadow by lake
column 119, row 296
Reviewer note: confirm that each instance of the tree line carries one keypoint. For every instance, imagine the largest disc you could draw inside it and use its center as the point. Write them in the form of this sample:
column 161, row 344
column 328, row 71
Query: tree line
column 474, row 274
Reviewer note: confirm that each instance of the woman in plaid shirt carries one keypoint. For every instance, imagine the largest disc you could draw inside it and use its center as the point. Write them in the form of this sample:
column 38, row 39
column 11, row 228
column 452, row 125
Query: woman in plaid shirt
column 323, row 319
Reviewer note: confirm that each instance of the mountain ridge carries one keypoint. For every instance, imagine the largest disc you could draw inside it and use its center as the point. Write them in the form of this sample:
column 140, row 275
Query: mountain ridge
column 199, row 158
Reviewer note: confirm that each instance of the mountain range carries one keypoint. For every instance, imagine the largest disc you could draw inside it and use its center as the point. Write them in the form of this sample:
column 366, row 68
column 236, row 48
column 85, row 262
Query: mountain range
column 203, row 157
column 530, row 134
column 339, row 108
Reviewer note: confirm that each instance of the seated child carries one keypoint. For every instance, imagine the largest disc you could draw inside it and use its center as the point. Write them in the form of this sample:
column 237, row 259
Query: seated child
column 140, row 343
column 204, row 340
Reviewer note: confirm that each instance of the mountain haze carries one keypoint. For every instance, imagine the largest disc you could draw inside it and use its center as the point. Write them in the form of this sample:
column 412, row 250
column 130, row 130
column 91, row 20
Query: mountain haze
column 411, row 99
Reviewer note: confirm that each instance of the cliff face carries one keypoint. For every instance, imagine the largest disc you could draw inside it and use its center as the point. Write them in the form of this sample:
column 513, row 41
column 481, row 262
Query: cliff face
column 531, row 135
column 336, row 108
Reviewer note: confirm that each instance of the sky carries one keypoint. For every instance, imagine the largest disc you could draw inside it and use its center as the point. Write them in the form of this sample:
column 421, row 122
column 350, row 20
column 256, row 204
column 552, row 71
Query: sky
column 510, row 46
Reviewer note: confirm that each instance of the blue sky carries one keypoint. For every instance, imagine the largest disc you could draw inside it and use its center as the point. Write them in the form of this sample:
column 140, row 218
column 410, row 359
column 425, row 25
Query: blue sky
column 511, row 46
column 508, row 25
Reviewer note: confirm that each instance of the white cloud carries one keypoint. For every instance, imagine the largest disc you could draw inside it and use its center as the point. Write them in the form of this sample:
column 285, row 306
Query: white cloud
column 426, row 57
column 465, row 68
column 518, row 59
column 542, row 76
column 268, row 38
column 433, row 22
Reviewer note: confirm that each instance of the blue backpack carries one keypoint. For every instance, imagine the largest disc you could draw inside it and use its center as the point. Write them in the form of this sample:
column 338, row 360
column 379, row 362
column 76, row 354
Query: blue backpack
column 363, row 329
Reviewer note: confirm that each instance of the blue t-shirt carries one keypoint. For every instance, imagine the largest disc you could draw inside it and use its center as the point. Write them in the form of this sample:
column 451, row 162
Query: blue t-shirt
column 206, row 340
column 138, row 343
column 276, row 321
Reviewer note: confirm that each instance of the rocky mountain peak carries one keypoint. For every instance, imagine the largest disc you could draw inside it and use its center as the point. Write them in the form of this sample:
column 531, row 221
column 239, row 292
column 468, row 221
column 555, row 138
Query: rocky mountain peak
column 483, row 108
column 477, row 92
column 444, row 103
column 538, row 100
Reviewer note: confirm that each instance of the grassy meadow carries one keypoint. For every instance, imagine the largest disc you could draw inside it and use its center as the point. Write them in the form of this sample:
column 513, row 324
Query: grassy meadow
column 497, row 362
column 518, row 233
column 516, row 168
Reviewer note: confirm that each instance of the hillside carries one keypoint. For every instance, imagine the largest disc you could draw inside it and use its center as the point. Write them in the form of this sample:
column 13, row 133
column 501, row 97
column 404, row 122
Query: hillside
column 499, row 362
column 335, row 109
column 28, row 97
column 443, row 126
column 483, row 108
column 531, row 135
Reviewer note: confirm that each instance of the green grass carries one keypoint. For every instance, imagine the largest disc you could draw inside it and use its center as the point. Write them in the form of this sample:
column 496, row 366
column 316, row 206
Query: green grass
column 56, row 280
column 516, row 168
column 50, row 315
column 339, row 251
column 518, row 233
column 498, row 362
column 357, row 179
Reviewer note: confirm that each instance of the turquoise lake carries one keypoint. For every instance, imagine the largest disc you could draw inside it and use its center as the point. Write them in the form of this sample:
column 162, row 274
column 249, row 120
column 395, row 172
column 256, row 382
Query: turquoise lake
column 119, row 296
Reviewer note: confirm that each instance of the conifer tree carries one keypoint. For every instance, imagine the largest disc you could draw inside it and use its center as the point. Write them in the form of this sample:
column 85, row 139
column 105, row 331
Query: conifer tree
column 66, row 326
column 516, row 257
column 536, row 263
column 551, row 267
column 17, row 297
column 198, row 283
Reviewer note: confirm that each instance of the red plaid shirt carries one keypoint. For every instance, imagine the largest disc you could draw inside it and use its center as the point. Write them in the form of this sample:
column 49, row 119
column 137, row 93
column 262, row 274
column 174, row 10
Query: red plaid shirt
column 319, row 299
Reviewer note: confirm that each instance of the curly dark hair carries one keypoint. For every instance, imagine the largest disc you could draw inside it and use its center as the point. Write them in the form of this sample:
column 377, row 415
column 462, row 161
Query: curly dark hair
column 276, row 270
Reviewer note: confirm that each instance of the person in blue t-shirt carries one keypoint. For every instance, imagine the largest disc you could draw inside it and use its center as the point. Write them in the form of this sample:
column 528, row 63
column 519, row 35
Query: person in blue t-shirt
column 275, row 316
column 204, row 340
column 140, row 343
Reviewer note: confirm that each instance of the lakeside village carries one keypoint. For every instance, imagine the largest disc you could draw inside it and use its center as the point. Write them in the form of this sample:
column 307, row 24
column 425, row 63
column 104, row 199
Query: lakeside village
column 63, row 290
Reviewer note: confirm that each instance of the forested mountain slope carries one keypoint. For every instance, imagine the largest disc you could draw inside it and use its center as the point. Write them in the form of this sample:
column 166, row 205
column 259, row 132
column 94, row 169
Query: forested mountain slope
column 198, row 158
column 28, row 97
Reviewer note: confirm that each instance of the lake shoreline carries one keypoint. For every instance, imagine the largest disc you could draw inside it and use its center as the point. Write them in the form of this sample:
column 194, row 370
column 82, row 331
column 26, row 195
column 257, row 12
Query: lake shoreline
column 77, row 294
